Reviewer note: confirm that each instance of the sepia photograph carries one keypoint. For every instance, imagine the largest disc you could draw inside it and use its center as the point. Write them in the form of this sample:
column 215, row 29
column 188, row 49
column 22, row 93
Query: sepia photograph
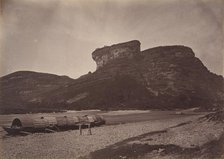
column 111, row 79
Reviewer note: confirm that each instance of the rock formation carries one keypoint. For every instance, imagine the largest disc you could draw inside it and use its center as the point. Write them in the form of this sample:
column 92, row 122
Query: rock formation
column 166, row 77
column 108, row 53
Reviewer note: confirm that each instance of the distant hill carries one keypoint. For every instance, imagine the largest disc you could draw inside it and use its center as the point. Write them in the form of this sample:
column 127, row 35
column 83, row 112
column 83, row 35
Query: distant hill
column 19, row 90
column 165, row 78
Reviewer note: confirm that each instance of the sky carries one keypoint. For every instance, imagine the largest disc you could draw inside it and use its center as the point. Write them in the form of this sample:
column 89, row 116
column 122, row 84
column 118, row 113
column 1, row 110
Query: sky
column 59, row 36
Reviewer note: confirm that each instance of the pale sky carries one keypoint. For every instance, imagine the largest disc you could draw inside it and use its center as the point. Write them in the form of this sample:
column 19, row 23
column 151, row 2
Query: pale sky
column 58, row 36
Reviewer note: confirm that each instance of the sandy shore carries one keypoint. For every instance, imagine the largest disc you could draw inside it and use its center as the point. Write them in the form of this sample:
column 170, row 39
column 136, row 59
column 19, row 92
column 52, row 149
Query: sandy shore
column 201, row 139
column 70, row 144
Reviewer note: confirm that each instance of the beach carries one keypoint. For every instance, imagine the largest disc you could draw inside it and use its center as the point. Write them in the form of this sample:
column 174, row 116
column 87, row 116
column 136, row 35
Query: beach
column 70, row 144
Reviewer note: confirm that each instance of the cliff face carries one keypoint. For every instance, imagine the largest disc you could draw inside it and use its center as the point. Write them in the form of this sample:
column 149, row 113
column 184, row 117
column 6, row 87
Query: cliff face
column 108, row 53
column 164, row 78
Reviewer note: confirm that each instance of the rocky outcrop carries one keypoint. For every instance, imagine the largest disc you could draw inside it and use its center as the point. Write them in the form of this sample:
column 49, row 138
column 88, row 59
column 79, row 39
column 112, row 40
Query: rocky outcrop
column 108, row 53
column 167, row 77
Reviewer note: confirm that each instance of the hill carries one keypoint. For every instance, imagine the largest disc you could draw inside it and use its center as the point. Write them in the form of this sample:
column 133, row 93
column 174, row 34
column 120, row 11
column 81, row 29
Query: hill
column 166, row 77
column 20, row 89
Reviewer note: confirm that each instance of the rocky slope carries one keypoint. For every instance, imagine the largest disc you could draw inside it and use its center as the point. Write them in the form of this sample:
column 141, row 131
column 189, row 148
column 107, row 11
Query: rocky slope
column 166, row 77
